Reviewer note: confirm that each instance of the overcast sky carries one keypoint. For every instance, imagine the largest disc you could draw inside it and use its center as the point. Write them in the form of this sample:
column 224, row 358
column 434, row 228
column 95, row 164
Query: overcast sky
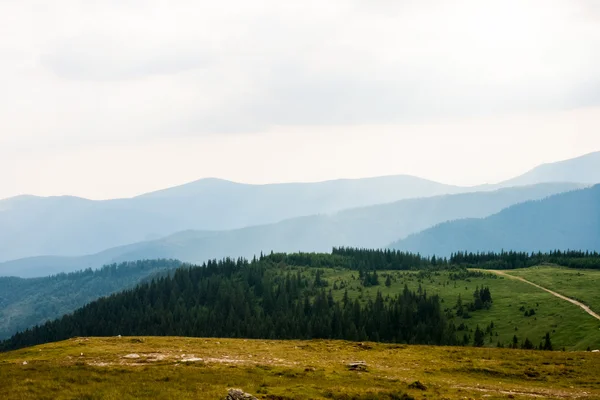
column 111, row 98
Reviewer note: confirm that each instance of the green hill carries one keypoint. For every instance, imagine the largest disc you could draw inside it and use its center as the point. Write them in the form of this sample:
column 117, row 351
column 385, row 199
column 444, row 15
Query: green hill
column 349, row 294
column 28, row 302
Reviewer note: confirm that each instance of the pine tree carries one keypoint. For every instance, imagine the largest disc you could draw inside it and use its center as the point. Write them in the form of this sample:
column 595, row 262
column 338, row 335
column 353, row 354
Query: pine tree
column 459, row 306
column 547, row 342
column 479, row 337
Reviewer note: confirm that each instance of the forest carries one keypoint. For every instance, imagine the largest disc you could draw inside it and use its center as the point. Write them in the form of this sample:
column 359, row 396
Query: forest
column 237, row 298
column 514, row 260
column 27, row 302
column 269, row 297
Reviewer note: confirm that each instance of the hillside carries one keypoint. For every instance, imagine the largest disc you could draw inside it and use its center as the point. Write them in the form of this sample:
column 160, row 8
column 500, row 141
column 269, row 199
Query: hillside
column 372, row 227
column 28, row 302
column 584, row 169
column 564, row 221
column 348, row 294
column 69, row 226
column 194, row 368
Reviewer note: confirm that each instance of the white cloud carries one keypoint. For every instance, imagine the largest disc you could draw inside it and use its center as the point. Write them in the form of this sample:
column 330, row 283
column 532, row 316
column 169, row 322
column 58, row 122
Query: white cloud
column 83, row 75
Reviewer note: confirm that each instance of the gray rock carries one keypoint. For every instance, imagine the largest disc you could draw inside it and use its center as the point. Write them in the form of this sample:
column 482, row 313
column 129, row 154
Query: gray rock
column 238, row 394
column 357, row 366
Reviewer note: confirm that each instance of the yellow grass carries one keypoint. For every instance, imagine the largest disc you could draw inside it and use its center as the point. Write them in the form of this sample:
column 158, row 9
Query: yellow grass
column 196, row 368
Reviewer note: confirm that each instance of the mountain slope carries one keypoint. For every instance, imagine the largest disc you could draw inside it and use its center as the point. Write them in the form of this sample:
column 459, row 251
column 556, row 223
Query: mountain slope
column 372, row 227
column 69, row 226
column 28, row 302
column 564, row 221
column 584, row 169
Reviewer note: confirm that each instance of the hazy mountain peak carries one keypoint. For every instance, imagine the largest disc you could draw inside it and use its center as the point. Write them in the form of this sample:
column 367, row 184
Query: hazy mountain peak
column 564, row 221
column 583, row 169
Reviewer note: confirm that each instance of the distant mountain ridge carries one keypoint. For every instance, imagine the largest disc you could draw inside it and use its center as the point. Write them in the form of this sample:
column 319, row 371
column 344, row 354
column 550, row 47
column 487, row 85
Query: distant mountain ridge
column 373, row 227
column 583, row 169
column 71, row 226
column 567, row 221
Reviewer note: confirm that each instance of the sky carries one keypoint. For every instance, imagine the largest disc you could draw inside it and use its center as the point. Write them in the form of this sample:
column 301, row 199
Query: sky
column 113, row 98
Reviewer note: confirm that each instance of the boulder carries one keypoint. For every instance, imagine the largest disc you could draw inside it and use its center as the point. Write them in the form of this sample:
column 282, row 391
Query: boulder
column 357, row 366
column 238, row 394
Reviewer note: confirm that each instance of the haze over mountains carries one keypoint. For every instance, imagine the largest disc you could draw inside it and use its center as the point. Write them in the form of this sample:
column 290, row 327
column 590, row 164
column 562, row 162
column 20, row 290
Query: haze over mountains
column 215, row 218
column 584, row 169
column 567, row 221
column 70, row 226
column 374, row 227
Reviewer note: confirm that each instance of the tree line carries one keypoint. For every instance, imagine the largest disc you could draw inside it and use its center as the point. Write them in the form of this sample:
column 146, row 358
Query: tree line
column 514, row 260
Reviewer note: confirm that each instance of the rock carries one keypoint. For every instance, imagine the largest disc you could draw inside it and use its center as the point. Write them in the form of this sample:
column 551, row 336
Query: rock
column 238, row 394
column 595, row 351
column 131, row 356
column 24, row 362
column 191, row 359
column 357, row 366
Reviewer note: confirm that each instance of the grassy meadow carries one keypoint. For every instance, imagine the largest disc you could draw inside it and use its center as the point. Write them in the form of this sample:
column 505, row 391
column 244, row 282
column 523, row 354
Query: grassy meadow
column 569, row 326
column 196, row 368
column 578, row 284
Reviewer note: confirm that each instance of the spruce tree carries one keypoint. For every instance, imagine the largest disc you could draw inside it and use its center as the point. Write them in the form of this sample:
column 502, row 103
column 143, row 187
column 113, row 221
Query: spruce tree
column 479, row 337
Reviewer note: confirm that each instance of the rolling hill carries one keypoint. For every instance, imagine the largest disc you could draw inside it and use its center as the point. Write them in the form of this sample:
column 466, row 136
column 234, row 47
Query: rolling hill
column 564, row 221
column 374, row 227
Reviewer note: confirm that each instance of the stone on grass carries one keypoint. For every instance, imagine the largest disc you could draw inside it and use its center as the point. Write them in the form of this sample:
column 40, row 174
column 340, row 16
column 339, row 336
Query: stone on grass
column 357, row 366
column 238, row 394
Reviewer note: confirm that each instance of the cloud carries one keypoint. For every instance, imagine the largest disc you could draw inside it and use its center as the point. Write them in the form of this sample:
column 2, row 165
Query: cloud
column 97, row 58
column 96, row 71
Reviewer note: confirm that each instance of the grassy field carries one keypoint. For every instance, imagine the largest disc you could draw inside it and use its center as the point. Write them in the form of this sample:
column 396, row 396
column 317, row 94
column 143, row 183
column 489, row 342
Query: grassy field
column 581, row 285
column 186, row 368
column 569, row 326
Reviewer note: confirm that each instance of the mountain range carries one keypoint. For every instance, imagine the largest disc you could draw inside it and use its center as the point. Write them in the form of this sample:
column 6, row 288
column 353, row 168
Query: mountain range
column 71, row 226
column 215, row 218
column 584, row 169
column 372, row 227
column 567, row 221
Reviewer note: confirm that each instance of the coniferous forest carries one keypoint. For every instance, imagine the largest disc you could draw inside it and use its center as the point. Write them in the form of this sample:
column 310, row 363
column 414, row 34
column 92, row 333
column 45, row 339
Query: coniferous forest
column 268, row 297
column 238, row 298
column 27, row 302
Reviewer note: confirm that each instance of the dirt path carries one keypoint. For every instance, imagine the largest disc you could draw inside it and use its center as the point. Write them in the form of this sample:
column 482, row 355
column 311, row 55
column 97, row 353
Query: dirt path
column 560, row 296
